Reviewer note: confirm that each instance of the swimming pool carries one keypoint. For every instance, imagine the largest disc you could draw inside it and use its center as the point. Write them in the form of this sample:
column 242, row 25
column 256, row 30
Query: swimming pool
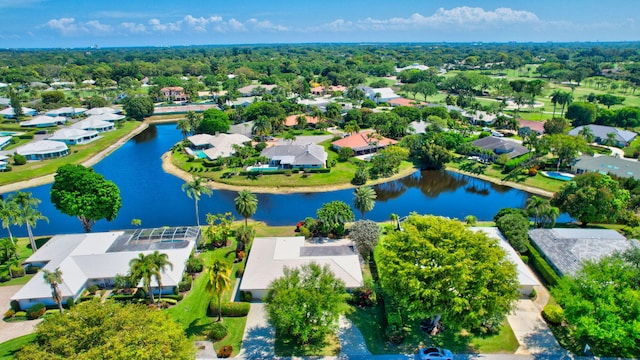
column 262, row 168
column 7, row 133
column 558, row 175
column 199, row 154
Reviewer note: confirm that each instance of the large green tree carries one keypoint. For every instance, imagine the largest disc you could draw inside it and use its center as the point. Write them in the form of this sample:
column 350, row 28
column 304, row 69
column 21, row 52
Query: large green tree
column 82, row 192
column 365, row 235
column 214, row 121
column 333, row 215
column 9, row 213
column 138, row 107
column 305, row 303
column 592, row 197
column 246, row 204
column 448, row 273
column 94, row 330
column 601, row 304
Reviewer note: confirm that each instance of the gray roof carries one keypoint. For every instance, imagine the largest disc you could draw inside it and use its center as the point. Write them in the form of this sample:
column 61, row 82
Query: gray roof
column 501, row 146
column 310, row 154
column 601, row 131
column 624, row 168
column 567, row 249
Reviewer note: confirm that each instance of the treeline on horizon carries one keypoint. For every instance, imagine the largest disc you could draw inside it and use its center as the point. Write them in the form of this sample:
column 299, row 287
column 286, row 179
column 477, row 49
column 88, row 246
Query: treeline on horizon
column 349, row 63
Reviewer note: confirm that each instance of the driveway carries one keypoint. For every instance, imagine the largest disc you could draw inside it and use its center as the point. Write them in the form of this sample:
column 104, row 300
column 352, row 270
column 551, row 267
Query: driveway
column 11, row 330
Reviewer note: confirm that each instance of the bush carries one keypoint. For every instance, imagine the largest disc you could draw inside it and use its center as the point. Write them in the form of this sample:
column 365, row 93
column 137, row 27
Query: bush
column 246, row 296
column 168, row 301
column 9, row 314
column 513, row 163
column 26, row 136
column 70, row 303
column 542, row 267
column 554, row 314
column 4, row 278
column 17, row 271
column 15, row 305
column 194, row 265
column 363, row 297
column 533, row 294
column 218, row 331
column 36, row 311
column 225, row 351
column 19, row 159
column 185, row 285
column 230, row 309
column 240, row 270
column 178, row 297
column 21, row 314
column 524, row 258
column 92, row 289
column 141, row 294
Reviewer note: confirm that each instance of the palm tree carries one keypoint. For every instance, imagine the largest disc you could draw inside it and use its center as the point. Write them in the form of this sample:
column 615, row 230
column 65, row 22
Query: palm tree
column 549, row 215
column 364, row 199
column 8, row 214
column 301, row 122
column 556, row 95
column 144, row 268
column 54, row 278
column 161, row 260
column 194, row 121
column 289, row 136
column 246, row 204
column 8, row 249
column 587, row 133
column 194, row 190
column 396, row 219
column 611, row 139
column 535, row 206
column 185, row 127
column 566, row 100
column 218, row 281
column 261, row 126
column 28, row 214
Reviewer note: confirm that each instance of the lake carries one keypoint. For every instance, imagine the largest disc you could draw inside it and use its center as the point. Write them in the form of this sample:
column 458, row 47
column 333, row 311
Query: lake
column 155, row 197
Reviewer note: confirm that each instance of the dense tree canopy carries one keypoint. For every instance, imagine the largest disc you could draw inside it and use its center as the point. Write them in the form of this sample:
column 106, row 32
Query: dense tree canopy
column 138, row 107
column 94, row 330
column 81, row 192
column 214, row 121
column 448, row 271
column 333, row 215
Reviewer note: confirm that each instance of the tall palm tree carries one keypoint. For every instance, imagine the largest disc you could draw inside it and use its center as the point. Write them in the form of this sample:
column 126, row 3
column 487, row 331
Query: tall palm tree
column 218, row 280
column 9, row 212
column 185, row 127
column 364, row 199
column 246, row 204
column 161, row 260
column 54, row 278
column 194, row 121
column 28, row 213
column 549, row 215
column 261, row 127
column 556, row 95
column 587, row 134
column 144, row 268
column 535, row 206
column 194, row 190
column 566, row 100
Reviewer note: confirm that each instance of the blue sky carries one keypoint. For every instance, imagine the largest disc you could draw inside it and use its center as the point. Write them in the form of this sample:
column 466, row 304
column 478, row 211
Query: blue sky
column 82, row 23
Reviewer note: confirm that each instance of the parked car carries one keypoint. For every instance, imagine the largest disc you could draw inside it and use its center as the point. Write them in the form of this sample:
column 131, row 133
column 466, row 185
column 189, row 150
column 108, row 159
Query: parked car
column 434, row 353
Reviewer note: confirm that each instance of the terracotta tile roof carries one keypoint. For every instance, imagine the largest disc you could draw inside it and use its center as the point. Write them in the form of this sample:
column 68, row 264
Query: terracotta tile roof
column 361, row 141
column 292, row 120
column 405, row 102
column 537, row 126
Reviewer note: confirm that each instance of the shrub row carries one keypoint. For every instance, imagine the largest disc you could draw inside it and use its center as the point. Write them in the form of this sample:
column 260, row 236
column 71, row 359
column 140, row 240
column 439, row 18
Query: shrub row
column 245, row 296
column 230, row 309
column 513, row 163
column 541, row 265
column 36, row 311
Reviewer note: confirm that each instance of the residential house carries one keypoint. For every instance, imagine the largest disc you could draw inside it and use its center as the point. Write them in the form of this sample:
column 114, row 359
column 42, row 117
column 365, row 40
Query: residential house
column 43, row 150
column 102, row 110
column 110, row 117
column 535, row 126
column 94, row 124
column 624, row 168
column 215, row 146
column 566, row 250
column 270, row 255
column 384, row 94
column 320, row 90
column 4, row 161
column 174, row 93
column 66, row 111
column 41, row 121
column 292, row 120
column 620, row 137
column 500, row 146
column 96, row 258
column 296, row 156
column 252, row 90
column 243, row 101
column 9, row 114
column 414, row 66
column 364, row 142
column 4, row 141
column 71, row 136
column 400, row 101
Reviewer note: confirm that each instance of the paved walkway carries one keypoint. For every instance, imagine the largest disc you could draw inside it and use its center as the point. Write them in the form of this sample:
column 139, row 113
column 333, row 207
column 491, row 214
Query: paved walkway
column 11, row 330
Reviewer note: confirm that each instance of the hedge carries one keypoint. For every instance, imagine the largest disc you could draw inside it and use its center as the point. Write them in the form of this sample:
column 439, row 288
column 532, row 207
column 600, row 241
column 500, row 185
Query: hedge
column 218, row 332
column 513, row 163
column 36, row 311
column 230, row 309
column 541, row 265
column 554, row 314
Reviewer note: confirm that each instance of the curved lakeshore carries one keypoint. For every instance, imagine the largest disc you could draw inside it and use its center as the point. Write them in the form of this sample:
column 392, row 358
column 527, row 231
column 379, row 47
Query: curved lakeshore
column 529, row 189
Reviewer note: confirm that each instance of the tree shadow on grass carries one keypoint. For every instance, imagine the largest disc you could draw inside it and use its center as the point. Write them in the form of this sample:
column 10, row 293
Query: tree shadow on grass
column 198, row 327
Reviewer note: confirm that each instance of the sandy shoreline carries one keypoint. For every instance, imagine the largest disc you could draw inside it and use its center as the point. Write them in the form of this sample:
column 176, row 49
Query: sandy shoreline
column 46, row 179
column 529, row 189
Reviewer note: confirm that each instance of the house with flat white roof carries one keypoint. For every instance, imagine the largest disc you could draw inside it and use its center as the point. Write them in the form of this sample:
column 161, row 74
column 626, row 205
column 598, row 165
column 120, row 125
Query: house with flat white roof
column 270, row 255
column 94, row 124
column 4, row 161
column 296, row 156
column 9, row 114
column 102, row 110
column 96, row 258
column 215, row 146
column 66, row 111
column 111, row 117
column 41, row 121
column 43, row 150
column 71, row 136
column 4, row 141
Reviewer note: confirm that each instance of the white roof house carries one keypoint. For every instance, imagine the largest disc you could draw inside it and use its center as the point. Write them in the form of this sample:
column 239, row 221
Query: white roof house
column 102, row 110
column 66, row 111
column 71, row 136
column 9, row 114
column 386, row 94
column 106, row 117
column 96, row 258
column 44, row 121
column 296, row 156
column 270, row 255
column 43, row 149
column 220, row 145
column 94, row 124
column 4, row 141
column 414, row 66
column 526, row 278
column 4, row 161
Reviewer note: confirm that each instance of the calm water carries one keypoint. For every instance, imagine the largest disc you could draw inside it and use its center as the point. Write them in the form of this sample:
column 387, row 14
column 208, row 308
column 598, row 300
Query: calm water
column 156, row 198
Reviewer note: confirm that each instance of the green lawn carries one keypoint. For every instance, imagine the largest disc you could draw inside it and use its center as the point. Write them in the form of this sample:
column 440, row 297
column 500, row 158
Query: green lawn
column 24, row 251
column 9, row 348
column 77, row 154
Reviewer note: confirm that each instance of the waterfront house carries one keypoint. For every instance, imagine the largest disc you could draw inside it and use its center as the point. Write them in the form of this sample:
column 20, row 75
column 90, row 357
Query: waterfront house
column 620, row 137
column 96, row 258
column 43, row 150
column 364, row 142
column 296, row 156
column 41, row 121
column 111, row 117
column 71, row 136
column 4, row 161
column 292, row 120
column 102, row 110
column 270, row 255
column 94, row 124
column 500, row 146
column 624, row 168
column 215, row 146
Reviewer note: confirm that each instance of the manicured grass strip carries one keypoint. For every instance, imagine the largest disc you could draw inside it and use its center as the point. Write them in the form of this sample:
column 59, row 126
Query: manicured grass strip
column 9, row 348
column 503, row 342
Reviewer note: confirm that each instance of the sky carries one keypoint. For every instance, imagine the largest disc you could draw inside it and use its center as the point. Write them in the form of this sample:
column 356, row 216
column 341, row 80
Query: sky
column 114, row 23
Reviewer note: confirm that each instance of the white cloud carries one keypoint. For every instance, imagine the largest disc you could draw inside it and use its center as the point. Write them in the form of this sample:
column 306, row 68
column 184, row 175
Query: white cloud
column 236, row 25
column 156, row 25
column 265, row 25
column 69, row 27
column 66, row 26
column 200, row 24
column 133, row 27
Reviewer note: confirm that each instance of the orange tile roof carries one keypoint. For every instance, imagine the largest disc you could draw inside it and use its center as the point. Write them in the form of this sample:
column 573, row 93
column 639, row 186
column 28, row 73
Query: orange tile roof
column 361, row 140
column 292, row 120
column 533, row 125
column 405, row 102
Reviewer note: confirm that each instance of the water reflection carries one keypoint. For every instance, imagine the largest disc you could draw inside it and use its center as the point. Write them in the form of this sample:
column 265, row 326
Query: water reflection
column 149, row 134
